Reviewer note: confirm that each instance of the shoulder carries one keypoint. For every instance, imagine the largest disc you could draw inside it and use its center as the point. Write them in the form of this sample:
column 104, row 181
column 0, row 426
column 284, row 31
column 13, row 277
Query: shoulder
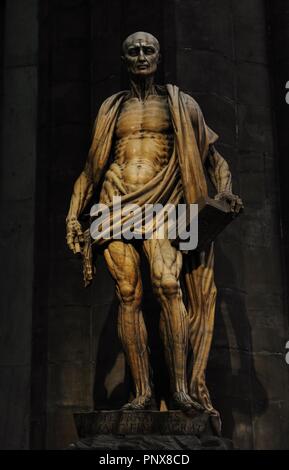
column 190, row 102
column 176, row 93
column 109, row 102
column 193, row 108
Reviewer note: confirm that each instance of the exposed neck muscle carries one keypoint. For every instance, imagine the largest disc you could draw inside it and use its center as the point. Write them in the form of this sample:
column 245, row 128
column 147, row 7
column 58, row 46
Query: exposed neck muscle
column 142, row 87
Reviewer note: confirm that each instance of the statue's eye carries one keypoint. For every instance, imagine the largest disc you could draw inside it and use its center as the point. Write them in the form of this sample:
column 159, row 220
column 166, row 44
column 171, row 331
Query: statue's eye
column 133, row 51
column 149, row 50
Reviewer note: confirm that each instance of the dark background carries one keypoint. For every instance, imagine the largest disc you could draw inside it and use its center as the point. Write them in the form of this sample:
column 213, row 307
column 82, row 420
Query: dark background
column 59, row 352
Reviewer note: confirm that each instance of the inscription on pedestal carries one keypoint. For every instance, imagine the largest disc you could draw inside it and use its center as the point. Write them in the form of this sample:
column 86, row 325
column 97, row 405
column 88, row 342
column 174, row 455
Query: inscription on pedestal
column 140, row 422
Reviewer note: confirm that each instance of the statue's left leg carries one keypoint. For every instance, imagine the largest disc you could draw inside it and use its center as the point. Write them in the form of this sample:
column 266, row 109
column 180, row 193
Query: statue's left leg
column 165, row 267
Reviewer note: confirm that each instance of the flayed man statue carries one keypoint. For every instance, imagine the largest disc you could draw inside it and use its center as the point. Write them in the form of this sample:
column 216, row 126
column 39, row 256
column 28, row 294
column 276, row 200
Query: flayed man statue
column 151, row 145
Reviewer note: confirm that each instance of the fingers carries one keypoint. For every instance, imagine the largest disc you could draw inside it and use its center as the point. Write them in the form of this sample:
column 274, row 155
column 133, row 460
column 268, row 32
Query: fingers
column 77, row 248
column 224, row 196
column 239, row 206
column 71, row 246
column 74, row 237
column 235, row 202
column 88, row 273
column 79, row 232
column 70, row 241
column 232, row 201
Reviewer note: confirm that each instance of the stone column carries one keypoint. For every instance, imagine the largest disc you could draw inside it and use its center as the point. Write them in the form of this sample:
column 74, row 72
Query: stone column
column 63, row 367
column 278, row 18
column 2, row 15
column 17, row 206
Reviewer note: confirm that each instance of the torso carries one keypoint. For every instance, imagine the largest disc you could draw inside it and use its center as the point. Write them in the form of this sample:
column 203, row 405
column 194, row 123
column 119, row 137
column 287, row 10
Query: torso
column 144, row 140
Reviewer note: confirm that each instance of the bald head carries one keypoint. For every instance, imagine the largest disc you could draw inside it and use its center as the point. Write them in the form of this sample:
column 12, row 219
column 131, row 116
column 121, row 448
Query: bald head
column 140, row 36
column 141, row 54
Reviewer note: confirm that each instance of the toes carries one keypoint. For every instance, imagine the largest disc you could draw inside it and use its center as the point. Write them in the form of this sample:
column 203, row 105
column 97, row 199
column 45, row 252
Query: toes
column 197, row 406
column 185, row 403
column 128, row 406
column 137, row 404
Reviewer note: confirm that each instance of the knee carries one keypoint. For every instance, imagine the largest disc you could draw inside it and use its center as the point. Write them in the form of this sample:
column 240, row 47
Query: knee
column 169, row 286
column 128, row 293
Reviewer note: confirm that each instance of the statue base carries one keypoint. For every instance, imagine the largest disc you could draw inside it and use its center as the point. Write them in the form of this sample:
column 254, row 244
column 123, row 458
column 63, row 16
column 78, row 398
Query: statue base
column 146, row 430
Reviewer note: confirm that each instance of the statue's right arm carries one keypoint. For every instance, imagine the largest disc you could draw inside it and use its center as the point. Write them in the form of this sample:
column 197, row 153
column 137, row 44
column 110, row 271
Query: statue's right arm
column 82, row 193
column 85, row 184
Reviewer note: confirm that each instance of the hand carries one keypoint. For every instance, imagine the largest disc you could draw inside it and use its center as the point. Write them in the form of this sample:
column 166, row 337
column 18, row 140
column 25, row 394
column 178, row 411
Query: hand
column 235, row 202
column 74, row 235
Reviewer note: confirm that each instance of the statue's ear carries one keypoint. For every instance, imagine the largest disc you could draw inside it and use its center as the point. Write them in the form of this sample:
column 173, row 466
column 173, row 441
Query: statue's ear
column 160, row 59
column 123, row 59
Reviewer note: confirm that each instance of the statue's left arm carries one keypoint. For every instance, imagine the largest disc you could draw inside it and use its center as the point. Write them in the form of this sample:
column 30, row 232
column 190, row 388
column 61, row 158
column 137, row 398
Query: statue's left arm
column 220, row 175
column 216, row 166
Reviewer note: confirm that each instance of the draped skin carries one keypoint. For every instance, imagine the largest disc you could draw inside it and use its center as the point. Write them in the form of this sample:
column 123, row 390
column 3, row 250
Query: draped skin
column 183, row 177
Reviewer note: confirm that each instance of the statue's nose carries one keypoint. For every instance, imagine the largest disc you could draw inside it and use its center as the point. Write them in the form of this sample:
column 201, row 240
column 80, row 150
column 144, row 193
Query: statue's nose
column 141, row 55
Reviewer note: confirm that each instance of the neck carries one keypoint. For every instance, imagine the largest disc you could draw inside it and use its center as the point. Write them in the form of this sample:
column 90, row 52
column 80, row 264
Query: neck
column 142, row 87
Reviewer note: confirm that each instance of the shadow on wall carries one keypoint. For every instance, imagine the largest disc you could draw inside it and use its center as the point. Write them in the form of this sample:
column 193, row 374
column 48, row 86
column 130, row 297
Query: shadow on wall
column 111, row 377
column 231, row 374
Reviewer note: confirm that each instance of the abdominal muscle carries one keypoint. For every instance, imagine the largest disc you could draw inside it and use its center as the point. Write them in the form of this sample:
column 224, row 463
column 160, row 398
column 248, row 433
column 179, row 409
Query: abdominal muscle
column 141, row 157
column 138, row 171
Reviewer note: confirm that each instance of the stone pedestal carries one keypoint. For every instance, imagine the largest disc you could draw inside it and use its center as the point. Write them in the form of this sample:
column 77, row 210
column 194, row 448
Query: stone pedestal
column 146, row 430
column 141, row 422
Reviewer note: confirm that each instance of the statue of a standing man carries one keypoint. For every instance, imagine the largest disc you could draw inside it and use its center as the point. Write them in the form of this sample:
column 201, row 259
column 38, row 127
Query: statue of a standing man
column 151, row 144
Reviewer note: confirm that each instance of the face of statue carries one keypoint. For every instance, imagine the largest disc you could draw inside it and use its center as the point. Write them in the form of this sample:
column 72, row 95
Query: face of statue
column 141, row 54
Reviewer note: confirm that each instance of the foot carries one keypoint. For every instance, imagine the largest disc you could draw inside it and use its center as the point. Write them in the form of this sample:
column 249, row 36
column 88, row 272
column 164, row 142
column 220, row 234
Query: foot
column 182, row 401
column 139, row 403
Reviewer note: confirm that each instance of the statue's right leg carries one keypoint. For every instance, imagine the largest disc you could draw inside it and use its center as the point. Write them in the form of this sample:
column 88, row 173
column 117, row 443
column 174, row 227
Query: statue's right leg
column 124, row 264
